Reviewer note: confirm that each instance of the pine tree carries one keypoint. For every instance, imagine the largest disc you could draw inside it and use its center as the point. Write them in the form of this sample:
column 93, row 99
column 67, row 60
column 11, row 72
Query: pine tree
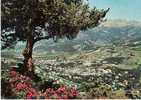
column 35, row 20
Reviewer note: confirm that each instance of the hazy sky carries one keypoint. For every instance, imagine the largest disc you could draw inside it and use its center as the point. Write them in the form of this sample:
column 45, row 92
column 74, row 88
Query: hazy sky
column 120, row 9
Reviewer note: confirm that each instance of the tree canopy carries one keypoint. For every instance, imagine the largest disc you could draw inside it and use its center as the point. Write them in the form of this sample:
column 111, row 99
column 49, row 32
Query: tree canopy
column 43, row 19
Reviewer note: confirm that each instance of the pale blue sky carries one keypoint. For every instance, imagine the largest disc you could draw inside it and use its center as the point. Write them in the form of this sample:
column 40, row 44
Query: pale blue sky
column 120, row 9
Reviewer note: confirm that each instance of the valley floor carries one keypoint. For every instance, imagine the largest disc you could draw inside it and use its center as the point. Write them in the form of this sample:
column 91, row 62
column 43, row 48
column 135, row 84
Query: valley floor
column 107, row 72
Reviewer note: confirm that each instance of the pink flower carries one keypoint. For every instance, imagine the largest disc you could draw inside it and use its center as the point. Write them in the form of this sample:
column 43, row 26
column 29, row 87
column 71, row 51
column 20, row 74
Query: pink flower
column 61, row 89
column 29, row 94
column 74, row 92
column 20, row 86
column 13, row 73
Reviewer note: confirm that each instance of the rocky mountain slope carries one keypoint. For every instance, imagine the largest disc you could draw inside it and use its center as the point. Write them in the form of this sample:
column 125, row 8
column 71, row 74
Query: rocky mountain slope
column 110, row 32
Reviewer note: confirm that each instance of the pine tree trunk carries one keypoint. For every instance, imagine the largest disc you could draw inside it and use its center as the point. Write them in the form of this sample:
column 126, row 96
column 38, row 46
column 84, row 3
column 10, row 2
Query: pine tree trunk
column 28, row 62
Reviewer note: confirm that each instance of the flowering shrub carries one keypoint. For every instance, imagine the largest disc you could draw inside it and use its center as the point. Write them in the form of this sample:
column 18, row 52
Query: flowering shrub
column 61, row 93
column 22, row 84
column 23, row 88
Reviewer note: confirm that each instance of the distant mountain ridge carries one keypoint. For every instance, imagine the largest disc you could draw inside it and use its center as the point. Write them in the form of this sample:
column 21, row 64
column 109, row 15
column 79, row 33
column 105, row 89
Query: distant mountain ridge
column 111, row 31
column 107, row 33
column 121, row 23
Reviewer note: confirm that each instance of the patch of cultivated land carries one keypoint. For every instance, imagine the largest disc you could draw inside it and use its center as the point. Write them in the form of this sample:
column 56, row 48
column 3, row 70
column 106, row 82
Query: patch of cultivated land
column 114, row 65
column 119, row 67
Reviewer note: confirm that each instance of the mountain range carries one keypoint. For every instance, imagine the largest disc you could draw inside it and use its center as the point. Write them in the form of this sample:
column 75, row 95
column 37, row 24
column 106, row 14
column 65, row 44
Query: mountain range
column 109, row 32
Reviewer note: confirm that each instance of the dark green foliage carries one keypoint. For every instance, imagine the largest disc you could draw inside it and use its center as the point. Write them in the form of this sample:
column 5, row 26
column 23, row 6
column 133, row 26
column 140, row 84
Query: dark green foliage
column 44, row 19
column 96, row 90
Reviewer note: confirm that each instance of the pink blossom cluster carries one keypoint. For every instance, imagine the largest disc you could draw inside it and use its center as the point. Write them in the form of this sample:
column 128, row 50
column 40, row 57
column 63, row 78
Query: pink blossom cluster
column 23, row 83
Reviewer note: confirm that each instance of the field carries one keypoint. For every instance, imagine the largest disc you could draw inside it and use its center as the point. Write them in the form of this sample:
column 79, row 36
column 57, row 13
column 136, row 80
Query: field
column 114, row 69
